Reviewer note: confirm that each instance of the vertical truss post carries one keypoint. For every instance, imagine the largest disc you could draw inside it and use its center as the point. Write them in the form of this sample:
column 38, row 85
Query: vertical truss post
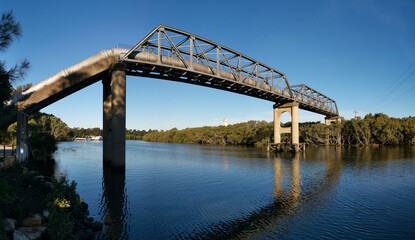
column 239, row 67
column 191, row 52
column 217, row 61
column 257, row 78
column 158, row 47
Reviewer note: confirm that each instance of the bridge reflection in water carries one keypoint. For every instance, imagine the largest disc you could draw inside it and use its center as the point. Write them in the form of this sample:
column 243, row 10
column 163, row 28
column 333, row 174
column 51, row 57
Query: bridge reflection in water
column 114, row 204
column 289, row 199
column 203, row 192
column 290, row 196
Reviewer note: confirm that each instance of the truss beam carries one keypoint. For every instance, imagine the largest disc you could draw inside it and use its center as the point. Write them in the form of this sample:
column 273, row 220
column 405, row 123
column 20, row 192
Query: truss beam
column 172, row 54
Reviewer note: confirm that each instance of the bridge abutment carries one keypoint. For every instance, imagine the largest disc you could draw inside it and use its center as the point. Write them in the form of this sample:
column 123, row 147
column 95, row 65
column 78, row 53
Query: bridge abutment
column 330, row 120
column 291, row 108
column 114, row 102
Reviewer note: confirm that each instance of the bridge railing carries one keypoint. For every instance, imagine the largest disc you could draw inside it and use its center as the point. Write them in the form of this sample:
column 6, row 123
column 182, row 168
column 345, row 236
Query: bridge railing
column 181, row 49
column 308, row 96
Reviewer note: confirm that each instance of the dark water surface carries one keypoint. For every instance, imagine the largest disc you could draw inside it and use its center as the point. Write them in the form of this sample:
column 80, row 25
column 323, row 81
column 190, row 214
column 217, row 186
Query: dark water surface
column 175, row 191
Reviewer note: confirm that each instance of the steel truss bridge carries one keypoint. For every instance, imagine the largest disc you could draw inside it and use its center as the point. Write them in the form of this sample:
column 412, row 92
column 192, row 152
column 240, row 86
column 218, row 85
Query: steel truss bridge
column 170, row 54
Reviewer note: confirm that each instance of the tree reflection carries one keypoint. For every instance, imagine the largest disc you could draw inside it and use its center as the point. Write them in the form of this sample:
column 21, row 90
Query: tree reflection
column 289, row 200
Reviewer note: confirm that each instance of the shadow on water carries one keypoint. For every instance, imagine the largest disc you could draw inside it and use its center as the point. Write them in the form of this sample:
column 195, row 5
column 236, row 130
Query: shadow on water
column 272, row 221
column 113, row 205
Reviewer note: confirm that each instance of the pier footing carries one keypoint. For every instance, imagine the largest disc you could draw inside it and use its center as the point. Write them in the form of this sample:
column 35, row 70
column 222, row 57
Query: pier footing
column 286, row 147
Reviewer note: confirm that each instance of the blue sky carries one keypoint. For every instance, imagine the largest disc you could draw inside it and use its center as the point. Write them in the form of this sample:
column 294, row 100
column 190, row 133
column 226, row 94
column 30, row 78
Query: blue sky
column 359, row 53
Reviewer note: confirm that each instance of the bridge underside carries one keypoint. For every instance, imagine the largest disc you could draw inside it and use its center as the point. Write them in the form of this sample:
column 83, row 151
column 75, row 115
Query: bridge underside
column 141, row 69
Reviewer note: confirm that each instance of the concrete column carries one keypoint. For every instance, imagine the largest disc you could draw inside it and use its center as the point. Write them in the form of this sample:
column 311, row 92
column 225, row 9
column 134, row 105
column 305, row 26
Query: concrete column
column 22, row 147
column 25, row 138
column 295, row 137
column 277, row 125
column 118, row 87
column 106, row 120
column 18, row 136
column 291, row 108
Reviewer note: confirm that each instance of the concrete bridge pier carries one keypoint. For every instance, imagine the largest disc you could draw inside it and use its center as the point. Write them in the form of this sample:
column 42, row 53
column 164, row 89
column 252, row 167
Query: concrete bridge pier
column 114, row 91
column 106, row 120
column 22, row 143
column 292, row 108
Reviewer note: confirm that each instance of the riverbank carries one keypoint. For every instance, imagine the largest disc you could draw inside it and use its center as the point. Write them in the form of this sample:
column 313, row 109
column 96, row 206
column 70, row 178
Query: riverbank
column 35, row 206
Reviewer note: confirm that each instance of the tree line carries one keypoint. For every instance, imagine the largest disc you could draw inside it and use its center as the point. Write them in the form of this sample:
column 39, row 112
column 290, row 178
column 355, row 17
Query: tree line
column 372, row 129
column 47, row 129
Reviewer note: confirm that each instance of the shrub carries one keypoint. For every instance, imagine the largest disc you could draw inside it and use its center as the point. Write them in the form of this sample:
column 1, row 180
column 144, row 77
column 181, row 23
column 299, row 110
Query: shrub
column 65, row 206
column 60, row 224
column 7, row 193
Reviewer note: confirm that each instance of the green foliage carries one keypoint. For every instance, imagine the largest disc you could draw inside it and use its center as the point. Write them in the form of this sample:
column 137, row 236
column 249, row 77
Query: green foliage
column 373, row 129
column 48, row 123
column 85, row 132
column 65, row 190
column 60, row 224
column 65, row 207
column 28, row 178
column 44, row 132
column 10, row 30
column 21, row 88
column 7, row 193
column 249, row 133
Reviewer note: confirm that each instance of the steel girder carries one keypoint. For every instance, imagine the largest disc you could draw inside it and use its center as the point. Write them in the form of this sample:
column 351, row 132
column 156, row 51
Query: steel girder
column 172, row 54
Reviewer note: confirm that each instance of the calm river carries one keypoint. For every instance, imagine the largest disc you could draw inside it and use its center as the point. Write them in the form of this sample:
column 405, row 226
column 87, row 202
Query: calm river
column 175, row 191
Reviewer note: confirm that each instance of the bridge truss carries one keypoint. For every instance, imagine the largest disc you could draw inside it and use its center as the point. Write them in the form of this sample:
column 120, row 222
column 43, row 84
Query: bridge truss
column 172, row 54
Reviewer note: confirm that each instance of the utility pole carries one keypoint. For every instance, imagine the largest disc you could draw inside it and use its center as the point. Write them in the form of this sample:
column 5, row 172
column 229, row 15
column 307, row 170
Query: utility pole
column 355, row 113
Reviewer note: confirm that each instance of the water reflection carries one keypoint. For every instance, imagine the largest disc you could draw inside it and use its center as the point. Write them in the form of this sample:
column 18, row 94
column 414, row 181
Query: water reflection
column 278, row 178
column 296, row 179
column 192, row 192
column 273, row 220
column 113, row 204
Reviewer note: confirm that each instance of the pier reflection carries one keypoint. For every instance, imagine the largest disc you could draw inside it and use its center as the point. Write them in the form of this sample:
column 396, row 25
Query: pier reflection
column 290, row 199
column 294, row 192
column 113, row 204
column 295, row 179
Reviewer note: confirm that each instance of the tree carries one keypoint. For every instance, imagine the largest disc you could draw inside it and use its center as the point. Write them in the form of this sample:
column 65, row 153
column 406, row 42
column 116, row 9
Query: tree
column 21, row 88
column 10, row 30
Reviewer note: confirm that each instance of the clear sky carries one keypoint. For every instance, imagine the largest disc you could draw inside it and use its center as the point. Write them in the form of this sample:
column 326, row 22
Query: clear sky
column 359, row 53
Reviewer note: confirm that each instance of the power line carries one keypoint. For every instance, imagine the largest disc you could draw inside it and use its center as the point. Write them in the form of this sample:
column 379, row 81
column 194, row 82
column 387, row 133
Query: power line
column 397, row 97
column 391, row 88
column 406, row 92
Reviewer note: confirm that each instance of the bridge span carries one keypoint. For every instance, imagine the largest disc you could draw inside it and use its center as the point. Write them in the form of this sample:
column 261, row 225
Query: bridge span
column 170, row 54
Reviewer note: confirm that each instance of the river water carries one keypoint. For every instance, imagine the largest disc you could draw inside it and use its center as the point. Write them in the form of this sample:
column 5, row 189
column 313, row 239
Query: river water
column 176, row 191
